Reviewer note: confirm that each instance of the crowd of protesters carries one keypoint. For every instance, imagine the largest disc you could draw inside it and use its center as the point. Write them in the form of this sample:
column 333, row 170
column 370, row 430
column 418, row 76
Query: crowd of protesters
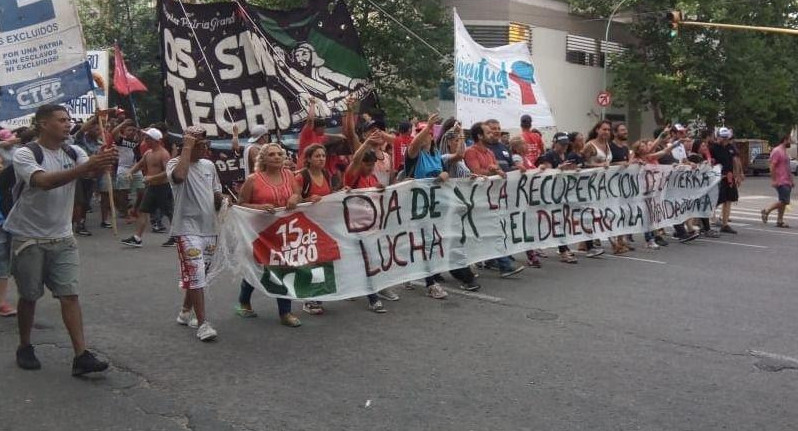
column 60, row 169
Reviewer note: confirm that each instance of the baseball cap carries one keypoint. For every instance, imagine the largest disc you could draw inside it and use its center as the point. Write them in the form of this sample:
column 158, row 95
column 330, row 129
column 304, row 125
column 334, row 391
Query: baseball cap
column 256, row 133
column 153, row 134
column 526, row 120
column 679, row 128
column 724, row 133
column 561, row 138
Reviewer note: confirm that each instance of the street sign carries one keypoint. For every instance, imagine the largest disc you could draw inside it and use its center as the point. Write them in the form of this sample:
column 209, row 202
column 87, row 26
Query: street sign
column 604, row 99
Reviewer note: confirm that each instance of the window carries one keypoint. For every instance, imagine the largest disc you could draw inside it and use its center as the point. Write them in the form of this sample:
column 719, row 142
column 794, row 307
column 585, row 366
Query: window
column 492, row 36
column 591, row 52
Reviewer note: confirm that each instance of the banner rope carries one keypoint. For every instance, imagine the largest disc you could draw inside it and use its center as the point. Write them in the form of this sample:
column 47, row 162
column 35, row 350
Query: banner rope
column 207, row 63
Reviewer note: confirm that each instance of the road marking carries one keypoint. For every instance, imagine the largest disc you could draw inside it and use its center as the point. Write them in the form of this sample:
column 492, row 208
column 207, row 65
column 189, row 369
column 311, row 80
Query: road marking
column 750, row 198
column 658, row 262
column 778, row 232
column 474, row 295
column 733, row 243
column 758, row 213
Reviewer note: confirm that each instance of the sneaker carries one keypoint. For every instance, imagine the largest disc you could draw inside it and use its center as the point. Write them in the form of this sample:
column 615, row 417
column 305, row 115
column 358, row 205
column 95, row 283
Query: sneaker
column 290, row 320
column 80, row 229
column 652, row 245
column 313, row 308
column 728, row 229
column 594, row 252
column 388, row 295
column 26, row 358
column 711, row 233
column 171, row 242
column 377, row 307
column 106, row 225
column 470, row 287
column 689, row 237
column 511, row 272
column 206, row 332
column 660, row 241
column 6, row 310
column 187, row 318
column 435, row 291
column 567, row 257
column 132, row 241
column 158, row 229
column 87, row 363
column 245, row 312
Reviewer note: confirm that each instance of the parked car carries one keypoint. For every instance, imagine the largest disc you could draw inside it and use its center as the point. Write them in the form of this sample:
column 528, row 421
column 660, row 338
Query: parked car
column 794, row 166
column 760, row 164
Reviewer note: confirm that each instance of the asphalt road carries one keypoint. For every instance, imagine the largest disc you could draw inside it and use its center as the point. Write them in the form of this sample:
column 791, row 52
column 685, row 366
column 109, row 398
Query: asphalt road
column 690, row 337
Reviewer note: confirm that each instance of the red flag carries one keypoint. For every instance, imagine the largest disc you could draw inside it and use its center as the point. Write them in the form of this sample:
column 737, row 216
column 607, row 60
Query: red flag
column 124, row 81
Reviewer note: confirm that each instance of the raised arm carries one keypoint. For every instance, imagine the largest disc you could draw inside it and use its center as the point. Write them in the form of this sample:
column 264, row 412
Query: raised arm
column 180, row 172
column 118, row 129
column 421, row 137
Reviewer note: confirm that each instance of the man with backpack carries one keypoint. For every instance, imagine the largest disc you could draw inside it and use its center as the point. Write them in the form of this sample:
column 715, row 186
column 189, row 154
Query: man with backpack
column 43, row 249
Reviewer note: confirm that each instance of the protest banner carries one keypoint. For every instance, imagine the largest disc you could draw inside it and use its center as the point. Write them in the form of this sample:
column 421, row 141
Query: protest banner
column 224, row 63
column 498, row 83
column 358, row 242
column 83, row 107
column 42, row 53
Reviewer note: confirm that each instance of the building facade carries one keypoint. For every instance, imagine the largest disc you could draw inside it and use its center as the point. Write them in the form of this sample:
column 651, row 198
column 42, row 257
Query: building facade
column 569, row 53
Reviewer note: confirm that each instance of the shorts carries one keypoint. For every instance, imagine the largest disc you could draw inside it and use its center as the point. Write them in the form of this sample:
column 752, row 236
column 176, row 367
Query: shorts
column 784, row 194
column 5, row 254
column 195, row 254
column 134, row 182
column 84, row 190
column 157, row 197
column 39, row 263
column 727, row 192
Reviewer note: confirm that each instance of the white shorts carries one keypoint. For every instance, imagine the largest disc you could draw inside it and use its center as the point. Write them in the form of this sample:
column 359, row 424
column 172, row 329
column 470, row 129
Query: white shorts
column 195, row 254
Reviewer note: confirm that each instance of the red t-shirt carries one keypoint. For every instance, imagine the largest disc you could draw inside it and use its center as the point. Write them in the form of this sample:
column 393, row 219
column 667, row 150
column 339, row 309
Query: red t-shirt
column 357, row 181
column 315, row 190
column 264, row 192
column 479, row 159
column 400, row 145
column 308, row 137
column 534, row 147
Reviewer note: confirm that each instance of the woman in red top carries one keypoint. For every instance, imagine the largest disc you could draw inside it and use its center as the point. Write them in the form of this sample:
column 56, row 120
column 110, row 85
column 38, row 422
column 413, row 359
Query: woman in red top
column 314, row 183
column 272, row 186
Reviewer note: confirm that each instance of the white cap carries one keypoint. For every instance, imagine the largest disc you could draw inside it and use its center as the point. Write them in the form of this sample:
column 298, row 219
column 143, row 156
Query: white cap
column 679, row 128
column 724, row 133
column 256, row 133
column 153, row 134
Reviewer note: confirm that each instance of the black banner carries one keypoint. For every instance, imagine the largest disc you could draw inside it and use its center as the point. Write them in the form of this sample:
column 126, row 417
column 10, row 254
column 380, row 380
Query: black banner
column 268, row 64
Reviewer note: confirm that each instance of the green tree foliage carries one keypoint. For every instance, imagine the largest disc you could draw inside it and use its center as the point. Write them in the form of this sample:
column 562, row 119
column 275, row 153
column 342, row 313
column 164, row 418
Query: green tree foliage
column 743, row 78
column 133, row 24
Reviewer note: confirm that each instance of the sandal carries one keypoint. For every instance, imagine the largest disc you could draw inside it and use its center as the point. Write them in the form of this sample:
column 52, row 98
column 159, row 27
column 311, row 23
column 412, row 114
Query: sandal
column 765, row 215
column 313, row 308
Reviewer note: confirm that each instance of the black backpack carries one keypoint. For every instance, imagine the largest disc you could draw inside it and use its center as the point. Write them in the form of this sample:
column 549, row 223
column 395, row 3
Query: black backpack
column 8, row 178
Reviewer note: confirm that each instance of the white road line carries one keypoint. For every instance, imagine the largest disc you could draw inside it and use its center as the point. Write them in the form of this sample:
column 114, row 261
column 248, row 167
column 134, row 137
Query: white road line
column 474, row 295
column 658, row 262
column 750, row 198
column 778, row 232
column 759, row 213
column 733, row 243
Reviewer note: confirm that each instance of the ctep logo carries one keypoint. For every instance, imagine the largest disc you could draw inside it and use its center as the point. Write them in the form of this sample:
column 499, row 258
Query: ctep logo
column 39, row 93
column 523, row 74
column 18, row 14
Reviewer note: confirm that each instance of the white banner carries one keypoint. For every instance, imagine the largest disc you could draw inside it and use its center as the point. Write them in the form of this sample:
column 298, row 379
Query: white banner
column 498, row 83
column 83, row 107
column 358, row 242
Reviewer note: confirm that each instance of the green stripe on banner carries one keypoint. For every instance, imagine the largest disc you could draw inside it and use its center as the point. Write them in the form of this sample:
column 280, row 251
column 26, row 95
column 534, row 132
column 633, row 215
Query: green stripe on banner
column 306, row 281
column 338, row 57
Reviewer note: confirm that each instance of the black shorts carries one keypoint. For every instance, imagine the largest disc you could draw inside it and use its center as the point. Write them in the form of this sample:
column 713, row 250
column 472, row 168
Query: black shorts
column 84, row 190
column 727, row 192
column 157, row 197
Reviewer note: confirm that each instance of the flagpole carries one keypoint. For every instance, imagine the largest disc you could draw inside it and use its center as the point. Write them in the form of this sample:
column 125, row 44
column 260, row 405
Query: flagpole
column 109, row 184
column 133, row 106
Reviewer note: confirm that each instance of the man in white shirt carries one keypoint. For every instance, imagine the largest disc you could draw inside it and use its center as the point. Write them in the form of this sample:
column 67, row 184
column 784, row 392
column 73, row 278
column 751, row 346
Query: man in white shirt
column 44, row 252
column 197, row 194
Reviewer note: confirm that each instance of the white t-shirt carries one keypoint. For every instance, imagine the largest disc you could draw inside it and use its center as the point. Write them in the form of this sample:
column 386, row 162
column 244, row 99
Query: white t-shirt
column 38, row 213
column 194, row 210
